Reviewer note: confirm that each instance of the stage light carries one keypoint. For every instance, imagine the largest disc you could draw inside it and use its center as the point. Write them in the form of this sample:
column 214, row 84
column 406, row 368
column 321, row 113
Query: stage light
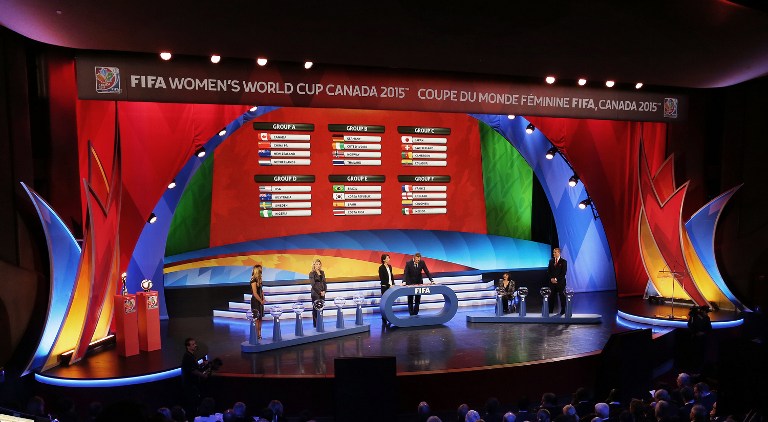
column 308, row 65
column 200, row 152
column 610, row 84
column 223, row 132
column 254, row 108
column 573, row 181
column 585, row 203
column 172, row 184
column 638, row 85
column 550, row 80
column 165, row 55
column 582, row 82
column 215, row 58
column 261, row 61
column 152, row 218
column 511, row 116
column 530, row 128
column 551, row 153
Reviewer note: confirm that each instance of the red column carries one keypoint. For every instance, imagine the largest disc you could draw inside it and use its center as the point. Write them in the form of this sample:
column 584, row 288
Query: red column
column 149, row 321
column 126, row 325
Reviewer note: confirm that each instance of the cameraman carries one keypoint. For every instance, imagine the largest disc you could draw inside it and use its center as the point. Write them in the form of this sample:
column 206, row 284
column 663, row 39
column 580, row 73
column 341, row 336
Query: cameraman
column 699, row 326
column 192, row 376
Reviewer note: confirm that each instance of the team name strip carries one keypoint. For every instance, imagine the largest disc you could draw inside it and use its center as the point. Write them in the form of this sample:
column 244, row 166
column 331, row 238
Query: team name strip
column 285, row 162
column 283, row 145
column 357, row 211
column 421, row 211
column 285, row 213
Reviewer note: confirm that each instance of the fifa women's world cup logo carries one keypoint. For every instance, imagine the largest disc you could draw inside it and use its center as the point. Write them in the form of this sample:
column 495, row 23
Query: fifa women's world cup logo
column 107, row 80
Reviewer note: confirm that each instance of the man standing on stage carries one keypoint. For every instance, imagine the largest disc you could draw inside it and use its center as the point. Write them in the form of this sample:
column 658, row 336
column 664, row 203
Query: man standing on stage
column 556, row 273
column 412, row 275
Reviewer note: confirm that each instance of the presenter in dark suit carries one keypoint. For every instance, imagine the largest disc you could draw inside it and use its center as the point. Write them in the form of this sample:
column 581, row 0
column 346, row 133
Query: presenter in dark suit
column 412, row 275
column 556, row 274
column 387, row 279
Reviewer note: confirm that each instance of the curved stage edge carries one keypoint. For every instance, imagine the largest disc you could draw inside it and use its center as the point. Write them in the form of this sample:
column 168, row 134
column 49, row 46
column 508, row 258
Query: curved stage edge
column 508, row 360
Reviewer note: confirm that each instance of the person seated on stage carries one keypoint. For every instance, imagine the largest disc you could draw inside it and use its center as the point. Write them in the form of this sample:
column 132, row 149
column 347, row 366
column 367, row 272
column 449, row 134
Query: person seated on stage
column 506, row 289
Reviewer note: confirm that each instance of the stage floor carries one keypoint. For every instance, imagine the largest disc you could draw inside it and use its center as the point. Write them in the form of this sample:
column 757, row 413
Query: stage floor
column 455, row 346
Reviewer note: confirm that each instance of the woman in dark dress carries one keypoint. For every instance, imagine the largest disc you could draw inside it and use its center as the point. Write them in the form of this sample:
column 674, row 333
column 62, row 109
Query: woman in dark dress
column 257, row 297
column 507, row 291
column 319, row 286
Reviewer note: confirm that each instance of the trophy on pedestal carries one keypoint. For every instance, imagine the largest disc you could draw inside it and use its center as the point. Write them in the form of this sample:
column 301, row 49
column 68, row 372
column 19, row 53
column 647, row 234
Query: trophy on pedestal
column 319, row 304
column 569, row 293
column 523, row 293
column 545, row 293
column 253, row 338
column 359, row 299
column 499, row 298
column 298, row 309
column 339, row 302
column 146, row 285
column 124, row 279
column 276, row 311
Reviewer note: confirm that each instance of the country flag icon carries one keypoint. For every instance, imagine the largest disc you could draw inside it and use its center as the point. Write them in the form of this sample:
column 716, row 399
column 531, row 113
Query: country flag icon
column 407, row 195
column 265, row 153
column 338, row 188
column 407, row 147
column 264, row 136
column 406, row 211
column 338, row 212
column 265, row 197
column 338, row 196
column 407, row 139
column 406, row 155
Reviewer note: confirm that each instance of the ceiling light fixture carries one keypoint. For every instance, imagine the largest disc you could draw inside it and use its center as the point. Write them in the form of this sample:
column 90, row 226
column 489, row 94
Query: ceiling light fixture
column 638, row 85
column 573, row 181
column 551, row 153
column 511, row 116
column 254, row 108
column 152, row 218
column 165, row 55
column 261, row 61
column 530, row 128
column 223, row 132
column 172, row 184
column 215, row 58
column 610, row 84
column 200, row 152
column 582, row 82
column 550, row 79
column 308, row 65
column 585, row 203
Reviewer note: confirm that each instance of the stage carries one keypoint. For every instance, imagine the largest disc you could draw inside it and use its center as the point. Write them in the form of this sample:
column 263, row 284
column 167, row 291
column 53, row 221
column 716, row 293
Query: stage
column 455, row 346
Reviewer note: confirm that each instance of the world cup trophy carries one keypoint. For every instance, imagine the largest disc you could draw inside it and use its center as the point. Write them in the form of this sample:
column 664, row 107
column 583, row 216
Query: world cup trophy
column 253, row 338
column 499, row 298
column 569, row 294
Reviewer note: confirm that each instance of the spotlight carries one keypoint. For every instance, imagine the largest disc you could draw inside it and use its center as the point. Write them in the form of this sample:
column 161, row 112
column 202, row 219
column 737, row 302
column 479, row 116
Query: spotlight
column 610, row 84
column 582, row 82
column 308, row 65
column 215, row 58
column 152, row 218
column 638, row 85
column 261, row 61
column 165, row 55
column 573, row 181
column 551, row 153
column 223, row 132
column 530, row 128
column 254, row 108
column 172, row 184
column 200, row 152
column 550, row 80
column 585, row 203
column 511, row 116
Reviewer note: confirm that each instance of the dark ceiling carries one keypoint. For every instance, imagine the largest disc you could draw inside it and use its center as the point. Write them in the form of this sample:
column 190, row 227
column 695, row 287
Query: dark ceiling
column 672, row 43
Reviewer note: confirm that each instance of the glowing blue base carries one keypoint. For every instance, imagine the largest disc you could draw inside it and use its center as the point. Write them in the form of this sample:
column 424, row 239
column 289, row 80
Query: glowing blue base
column 309, row 337
column 538, row 319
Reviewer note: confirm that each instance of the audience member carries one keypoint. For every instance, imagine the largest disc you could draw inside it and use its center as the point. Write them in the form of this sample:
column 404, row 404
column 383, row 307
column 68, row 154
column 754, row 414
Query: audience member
column 549, row 402
column 434, row 419
column 461, row 412
column 614, row 404
column 698, row 414
column 36, row 406
column 166, row 412
column 703, row 396
column 423, row 411
column 492, row 410
column 602, row 411
column 178, row 414
column 523, row 410
column 276, row 406
column 582, row 402
column 665, row 412
column 509, row 417
column 568, row 414
column 239, row 412
column 472, row 416
column 686, row 397
column 543, row 415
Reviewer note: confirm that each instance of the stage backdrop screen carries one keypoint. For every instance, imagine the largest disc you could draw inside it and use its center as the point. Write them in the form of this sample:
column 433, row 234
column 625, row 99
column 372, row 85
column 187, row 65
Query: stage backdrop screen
column 295, row 183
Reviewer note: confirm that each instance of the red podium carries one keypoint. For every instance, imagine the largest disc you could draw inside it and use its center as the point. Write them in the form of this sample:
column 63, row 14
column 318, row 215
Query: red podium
column 149, row 321
column 126, row 325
